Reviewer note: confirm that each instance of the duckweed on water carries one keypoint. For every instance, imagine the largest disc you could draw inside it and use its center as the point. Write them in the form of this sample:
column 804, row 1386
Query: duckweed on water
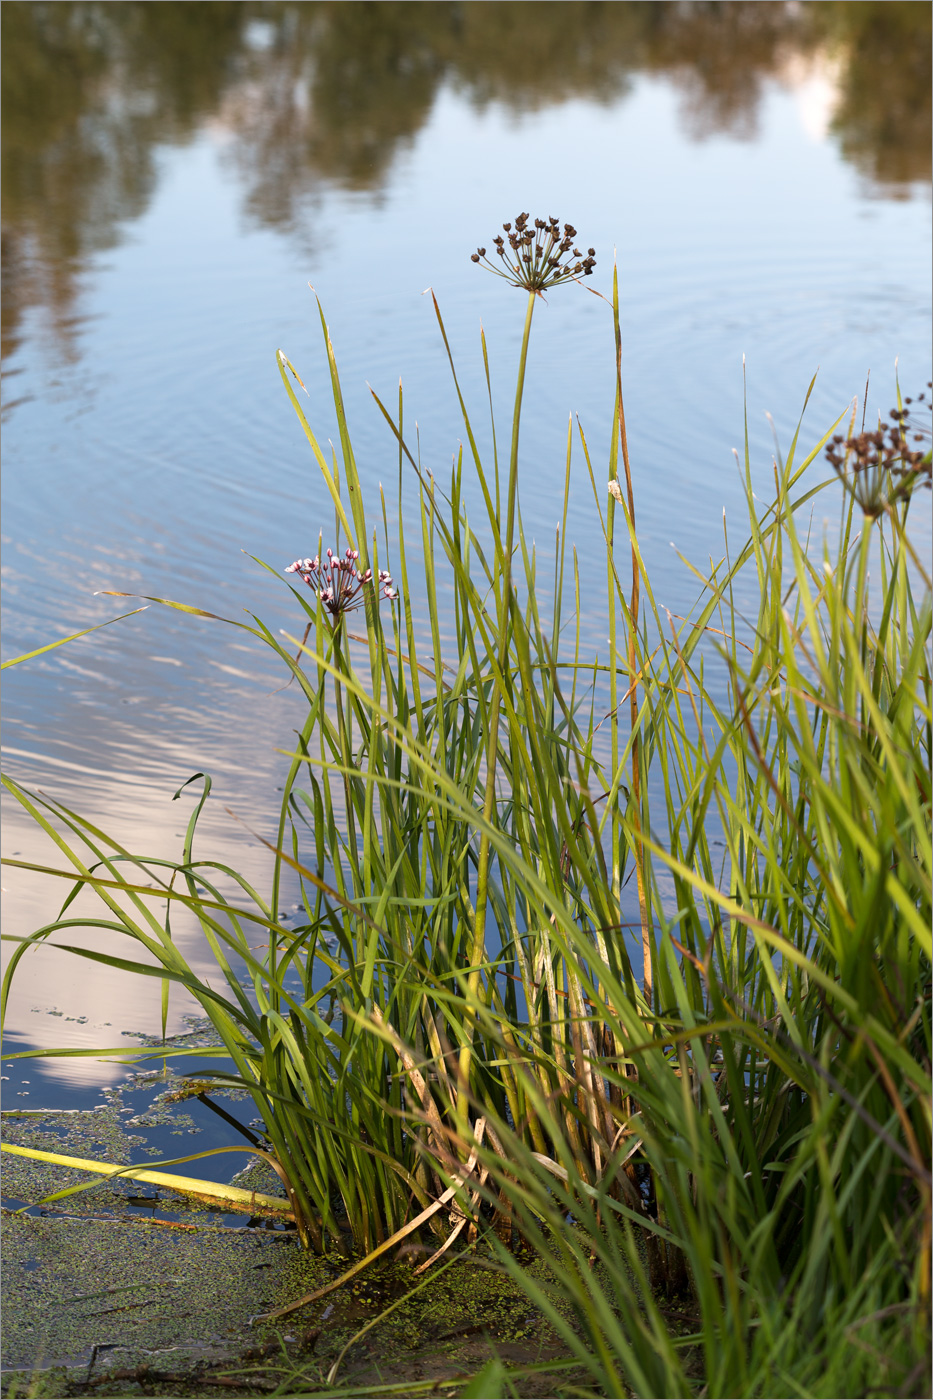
column 178, row 1298
column 141, row 1288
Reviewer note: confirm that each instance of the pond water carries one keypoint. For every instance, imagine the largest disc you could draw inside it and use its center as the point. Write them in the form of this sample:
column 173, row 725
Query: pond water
column 175, row 175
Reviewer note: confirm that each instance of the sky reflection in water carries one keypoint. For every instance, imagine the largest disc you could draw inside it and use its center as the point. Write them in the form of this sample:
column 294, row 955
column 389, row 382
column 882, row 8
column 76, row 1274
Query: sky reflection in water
column 174, row 176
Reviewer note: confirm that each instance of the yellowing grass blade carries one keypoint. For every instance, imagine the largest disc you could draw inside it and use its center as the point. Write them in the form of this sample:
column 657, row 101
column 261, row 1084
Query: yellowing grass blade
column 210, row 1193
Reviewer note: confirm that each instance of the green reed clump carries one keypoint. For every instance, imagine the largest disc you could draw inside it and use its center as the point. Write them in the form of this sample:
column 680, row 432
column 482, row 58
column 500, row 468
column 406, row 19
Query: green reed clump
column 732, row 1107
column 780, row 1092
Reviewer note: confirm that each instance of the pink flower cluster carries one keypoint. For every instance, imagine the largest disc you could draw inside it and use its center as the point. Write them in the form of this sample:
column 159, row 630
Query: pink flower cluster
column 339, row 583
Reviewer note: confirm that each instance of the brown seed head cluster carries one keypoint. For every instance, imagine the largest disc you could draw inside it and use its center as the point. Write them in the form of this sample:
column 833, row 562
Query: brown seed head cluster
column 339, row 583
column 537, row 256
column 881, row 468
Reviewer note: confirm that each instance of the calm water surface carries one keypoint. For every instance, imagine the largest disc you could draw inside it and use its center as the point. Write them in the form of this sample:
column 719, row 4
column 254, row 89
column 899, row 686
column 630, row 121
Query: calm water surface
column 177, row 174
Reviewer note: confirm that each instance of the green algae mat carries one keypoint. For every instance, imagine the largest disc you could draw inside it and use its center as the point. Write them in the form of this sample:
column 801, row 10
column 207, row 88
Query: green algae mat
column 100, row 1299
column 134, row 1307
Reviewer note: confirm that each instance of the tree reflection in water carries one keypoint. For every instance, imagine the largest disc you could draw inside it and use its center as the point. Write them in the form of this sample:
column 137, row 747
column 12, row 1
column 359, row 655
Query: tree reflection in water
column 328, row 91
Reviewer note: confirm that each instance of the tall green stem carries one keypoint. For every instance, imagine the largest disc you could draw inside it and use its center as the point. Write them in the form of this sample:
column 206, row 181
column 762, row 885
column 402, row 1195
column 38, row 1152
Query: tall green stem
column 513, row 473
column 634, row 604
column 344, row 721
column 478, row 946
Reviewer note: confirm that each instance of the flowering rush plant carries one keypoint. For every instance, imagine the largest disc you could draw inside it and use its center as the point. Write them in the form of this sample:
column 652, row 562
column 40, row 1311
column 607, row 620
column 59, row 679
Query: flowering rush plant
column 339, row 583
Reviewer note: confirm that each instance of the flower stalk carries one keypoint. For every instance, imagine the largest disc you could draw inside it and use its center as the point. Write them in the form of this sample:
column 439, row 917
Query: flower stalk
column 542, row 256
column 477, row 950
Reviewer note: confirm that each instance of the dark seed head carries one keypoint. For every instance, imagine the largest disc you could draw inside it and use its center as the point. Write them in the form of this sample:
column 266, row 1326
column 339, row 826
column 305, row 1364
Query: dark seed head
column 539, row 253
